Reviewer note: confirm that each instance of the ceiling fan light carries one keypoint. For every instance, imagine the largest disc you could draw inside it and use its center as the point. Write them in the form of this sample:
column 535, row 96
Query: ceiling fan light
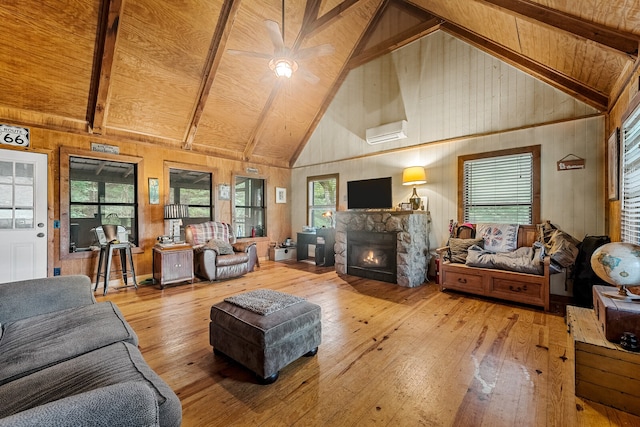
column 283, row 67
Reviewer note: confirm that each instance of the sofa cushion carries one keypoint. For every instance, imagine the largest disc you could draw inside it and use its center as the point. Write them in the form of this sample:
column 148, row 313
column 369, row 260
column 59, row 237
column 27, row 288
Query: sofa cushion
column 458, row 248
column 117, row 363
column 32, row 344
column 235, row 258
column 126, row 404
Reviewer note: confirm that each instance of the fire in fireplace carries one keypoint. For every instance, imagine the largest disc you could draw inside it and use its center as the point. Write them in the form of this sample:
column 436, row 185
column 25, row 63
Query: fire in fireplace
column 372, row 255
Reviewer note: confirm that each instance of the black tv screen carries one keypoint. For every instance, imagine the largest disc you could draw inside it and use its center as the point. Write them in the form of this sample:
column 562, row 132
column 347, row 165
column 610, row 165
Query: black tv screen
column 369, row 194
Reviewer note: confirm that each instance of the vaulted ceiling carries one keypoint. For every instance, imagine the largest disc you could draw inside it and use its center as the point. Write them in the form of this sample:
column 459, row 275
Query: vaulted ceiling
column 164, row 72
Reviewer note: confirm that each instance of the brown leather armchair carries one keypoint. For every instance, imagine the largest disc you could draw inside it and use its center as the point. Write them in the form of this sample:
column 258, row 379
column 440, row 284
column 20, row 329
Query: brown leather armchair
column 212, row 258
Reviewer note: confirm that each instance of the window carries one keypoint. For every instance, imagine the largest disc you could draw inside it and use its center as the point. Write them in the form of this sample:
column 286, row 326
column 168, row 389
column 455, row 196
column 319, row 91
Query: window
column 250, row 210
column 100, row 192
column 500, row 186
column 630, row 210
column 192, row 188
column 322, row 196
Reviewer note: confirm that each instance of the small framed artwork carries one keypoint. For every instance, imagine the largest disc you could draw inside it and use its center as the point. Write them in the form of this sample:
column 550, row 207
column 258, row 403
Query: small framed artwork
column 406, row 206
column 281, row 195
column 613, row 166
column 154, row 191
column 224, row 192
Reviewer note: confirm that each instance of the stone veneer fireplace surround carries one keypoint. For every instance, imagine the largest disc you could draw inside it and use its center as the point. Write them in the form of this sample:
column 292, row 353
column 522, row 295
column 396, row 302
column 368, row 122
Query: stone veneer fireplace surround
column 412, row 240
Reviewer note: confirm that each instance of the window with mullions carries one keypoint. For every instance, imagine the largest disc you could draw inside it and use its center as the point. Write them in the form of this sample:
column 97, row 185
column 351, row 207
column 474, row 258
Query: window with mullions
column 192, row 188
column 101, row 192
column 322, row 197
column 500, row 187
column 630, row 180
column 250, row 212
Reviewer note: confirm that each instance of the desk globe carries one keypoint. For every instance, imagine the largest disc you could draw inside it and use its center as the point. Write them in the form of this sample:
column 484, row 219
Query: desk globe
column 618, row 264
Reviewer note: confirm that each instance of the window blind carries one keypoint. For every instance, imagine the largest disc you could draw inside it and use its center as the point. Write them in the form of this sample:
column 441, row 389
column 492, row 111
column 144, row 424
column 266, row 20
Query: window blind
column 499, row 189
column 630, row 215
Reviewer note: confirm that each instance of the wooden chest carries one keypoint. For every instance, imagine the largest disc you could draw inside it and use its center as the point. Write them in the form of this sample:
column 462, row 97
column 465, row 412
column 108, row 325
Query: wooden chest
column 604, row 372
column 615, row 316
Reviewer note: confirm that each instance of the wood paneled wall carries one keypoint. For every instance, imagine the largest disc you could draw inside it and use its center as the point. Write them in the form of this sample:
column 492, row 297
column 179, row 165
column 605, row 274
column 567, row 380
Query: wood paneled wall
column 457, row 101
column 49, row 142
column 445, row 89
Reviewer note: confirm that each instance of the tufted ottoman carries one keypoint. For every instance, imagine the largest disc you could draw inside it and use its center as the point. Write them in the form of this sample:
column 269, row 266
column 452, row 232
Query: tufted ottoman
column 265, row 330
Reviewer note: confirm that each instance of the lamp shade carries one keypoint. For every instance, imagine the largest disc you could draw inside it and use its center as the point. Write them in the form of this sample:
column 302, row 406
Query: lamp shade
column 176, row 211
column 414, row 175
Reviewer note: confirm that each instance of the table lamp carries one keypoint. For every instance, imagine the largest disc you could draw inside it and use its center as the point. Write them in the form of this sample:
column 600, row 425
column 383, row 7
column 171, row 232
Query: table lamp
column 173, row 215
column 414, row 175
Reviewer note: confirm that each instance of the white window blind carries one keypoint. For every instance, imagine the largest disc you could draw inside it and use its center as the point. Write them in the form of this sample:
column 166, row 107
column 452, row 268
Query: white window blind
column 630, row 215
column 499, row 189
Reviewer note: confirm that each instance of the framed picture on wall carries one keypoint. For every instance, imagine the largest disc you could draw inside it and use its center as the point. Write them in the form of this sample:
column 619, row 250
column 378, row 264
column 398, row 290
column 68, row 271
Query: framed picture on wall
column 613, row 166
column 224, row 192
column 281, row 195
column 154, row 191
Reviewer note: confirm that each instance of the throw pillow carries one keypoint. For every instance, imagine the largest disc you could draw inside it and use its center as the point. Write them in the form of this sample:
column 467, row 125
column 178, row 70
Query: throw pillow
column 498, row 237
column 458, row 248
column 224, row 248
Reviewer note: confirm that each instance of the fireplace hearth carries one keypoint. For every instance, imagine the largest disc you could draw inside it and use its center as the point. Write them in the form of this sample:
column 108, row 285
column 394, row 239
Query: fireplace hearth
column 372, row 255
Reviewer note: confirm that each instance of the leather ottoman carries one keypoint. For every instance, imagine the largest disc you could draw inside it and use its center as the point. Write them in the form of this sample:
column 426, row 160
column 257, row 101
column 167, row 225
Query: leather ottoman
column 265, row 330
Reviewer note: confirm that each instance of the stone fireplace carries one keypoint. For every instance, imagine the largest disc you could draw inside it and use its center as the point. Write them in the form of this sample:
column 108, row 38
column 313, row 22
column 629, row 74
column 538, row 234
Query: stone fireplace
column 391, row 246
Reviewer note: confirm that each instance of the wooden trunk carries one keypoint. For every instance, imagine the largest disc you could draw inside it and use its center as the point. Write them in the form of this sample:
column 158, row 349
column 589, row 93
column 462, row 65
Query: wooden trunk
column 615, row 316
column 604, row 372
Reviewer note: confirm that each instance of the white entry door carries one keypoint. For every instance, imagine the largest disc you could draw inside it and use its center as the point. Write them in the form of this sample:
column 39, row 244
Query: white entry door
column 23, row 215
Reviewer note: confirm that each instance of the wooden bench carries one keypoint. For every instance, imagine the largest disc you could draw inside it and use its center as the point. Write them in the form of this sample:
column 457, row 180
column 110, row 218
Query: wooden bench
column 513, row 286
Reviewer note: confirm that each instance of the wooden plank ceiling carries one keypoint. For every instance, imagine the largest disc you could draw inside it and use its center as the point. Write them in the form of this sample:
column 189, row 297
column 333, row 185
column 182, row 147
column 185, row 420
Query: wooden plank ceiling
column 163, row 72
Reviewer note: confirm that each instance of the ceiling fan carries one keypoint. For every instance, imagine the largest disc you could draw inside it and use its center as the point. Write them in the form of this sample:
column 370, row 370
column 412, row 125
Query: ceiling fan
column 284, row 61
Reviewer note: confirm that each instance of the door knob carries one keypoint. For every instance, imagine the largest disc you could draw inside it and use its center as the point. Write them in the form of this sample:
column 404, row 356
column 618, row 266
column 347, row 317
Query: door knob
column 40, row 234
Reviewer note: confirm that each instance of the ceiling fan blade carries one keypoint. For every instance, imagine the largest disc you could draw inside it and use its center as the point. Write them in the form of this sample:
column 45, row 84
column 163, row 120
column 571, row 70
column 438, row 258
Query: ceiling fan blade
column 251, row 54
column 308, row 76
column 320, row 50
column 275, row 35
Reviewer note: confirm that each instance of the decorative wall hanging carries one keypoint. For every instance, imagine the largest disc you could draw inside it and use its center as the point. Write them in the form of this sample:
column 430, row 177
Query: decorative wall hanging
column 565, row 164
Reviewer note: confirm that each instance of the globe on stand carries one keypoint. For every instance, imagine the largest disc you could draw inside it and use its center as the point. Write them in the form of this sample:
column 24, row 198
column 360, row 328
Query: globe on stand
column 618, row 264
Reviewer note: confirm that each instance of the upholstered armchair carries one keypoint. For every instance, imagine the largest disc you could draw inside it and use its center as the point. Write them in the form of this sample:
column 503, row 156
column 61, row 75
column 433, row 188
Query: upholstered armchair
column 216, row 253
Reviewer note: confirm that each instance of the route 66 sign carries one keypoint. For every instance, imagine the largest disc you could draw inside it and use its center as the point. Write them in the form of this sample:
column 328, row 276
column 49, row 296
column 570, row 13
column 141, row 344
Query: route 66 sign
column 13, row 135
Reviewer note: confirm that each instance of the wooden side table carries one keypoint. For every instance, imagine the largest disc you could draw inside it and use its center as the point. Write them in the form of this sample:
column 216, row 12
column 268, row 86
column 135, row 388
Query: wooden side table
column 172, row 264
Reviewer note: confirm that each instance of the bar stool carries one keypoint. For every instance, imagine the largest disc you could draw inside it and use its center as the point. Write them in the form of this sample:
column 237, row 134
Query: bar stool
column 106, row 259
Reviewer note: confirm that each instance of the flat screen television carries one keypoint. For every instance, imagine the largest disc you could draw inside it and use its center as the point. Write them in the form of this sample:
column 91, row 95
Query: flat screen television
column 369, row 194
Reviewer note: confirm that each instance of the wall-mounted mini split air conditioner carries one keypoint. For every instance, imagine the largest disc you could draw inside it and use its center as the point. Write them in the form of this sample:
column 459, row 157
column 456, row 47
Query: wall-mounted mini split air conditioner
column 385, row 133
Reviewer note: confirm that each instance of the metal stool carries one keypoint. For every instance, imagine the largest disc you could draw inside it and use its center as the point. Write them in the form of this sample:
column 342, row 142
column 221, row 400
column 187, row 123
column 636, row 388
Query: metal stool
column 107, row 236
column 106, row 258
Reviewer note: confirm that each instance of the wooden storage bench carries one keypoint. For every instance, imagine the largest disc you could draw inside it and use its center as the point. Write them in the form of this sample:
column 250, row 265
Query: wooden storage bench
column 513, row 286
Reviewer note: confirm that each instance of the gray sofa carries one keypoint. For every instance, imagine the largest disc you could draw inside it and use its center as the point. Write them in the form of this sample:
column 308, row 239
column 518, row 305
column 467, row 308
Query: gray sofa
column 67, row 360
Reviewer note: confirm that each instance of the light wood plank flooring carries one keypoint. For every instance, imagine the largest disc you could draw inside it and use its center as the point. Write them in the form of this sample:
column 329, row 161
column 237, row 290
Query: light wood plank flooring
column 389, row 356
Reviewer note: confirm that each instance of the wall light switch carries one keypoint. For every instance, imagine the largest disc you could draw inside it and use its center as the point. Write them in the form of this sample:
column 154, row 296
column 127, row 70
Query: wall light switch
column 56, row 271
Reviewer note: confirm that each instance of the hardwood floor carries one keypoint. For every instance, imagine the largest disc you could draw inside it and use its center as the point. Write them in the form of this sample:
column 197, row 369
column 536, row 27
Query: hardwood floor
column 389, row 356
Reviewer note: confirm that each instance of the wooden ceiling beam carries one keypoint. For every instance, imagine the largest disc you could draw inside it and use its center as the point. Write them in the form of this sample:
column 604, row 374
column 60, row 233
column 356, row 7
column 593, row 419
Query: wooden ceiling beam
column 216, row 49
column 560, row 81
column 326, row 19
column 338, row 82
column 621, row 41
column 106, row 37
column 396, row 42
